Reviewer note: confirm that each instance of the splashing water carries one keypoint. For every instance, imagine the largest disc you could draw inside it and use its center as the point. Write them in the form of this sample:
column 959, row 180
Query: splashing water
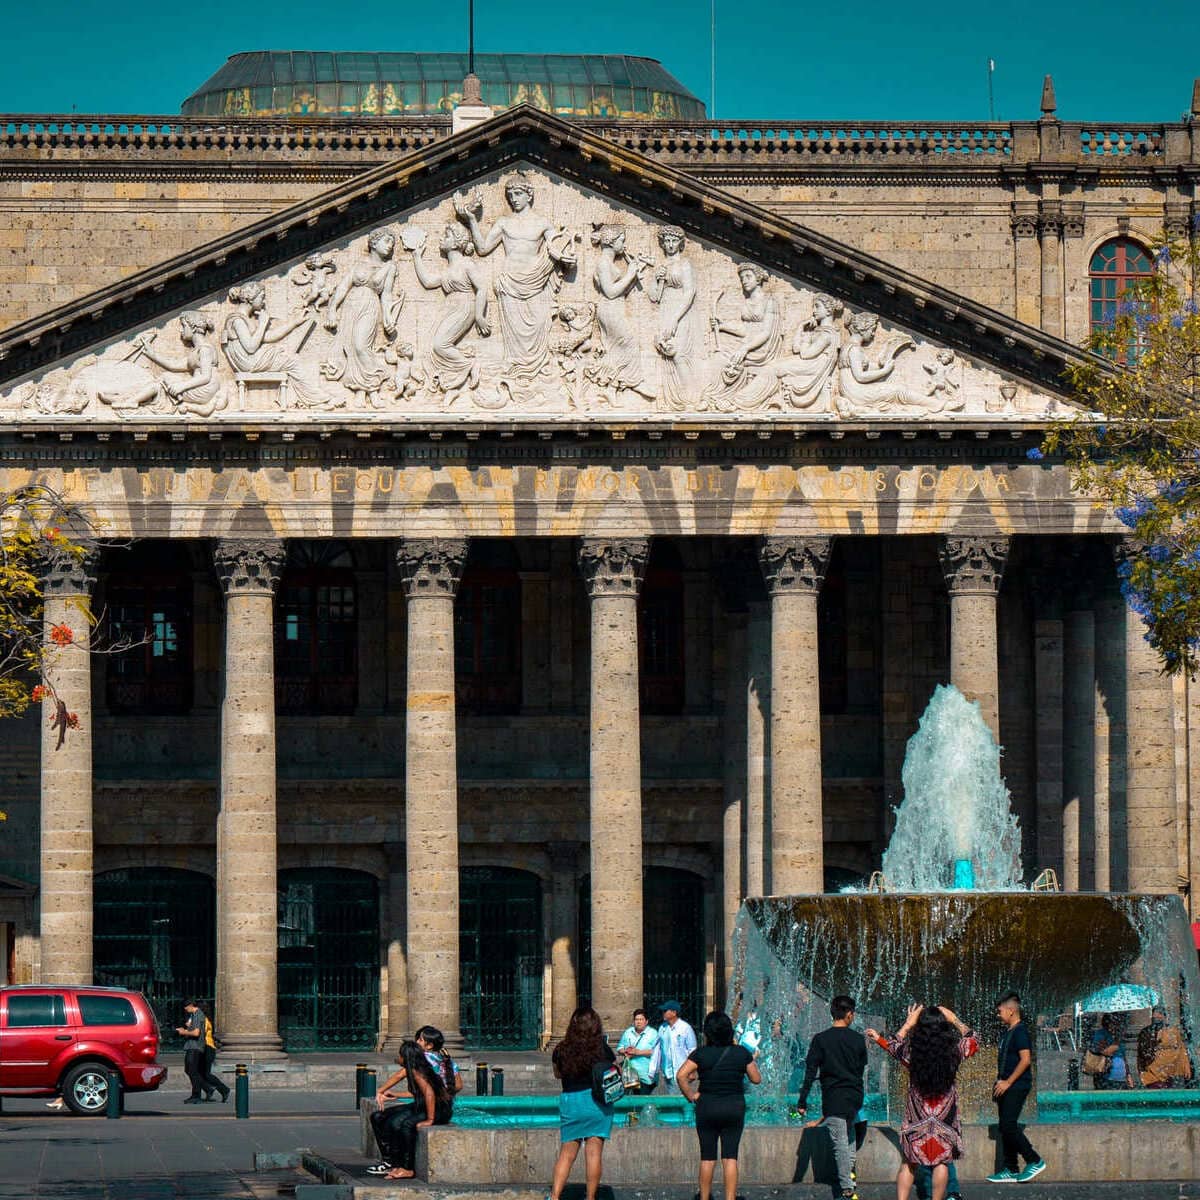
column 955, row 828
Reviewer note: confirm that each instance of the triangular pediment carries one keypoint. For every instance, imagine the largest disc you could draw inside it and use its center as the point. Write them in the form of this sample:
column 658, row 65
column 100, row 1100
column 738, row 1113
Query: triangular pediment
column 526, row 270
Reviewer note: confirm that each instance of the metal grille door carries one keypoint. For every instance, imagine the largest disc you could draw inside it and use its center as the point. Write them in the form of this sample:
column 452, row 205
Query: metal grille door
column 501, row 959
column 328, row 959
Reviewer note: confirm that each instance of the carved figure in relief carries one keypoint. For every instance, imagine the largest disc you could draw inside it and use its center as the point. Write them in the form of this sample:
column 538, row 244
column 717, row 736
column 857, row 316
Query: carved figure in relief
column 201, row 393
column 453, row 366
column 362, row 309
column 864, row 386
column 253, row 344
column 680, row 337
column 315, row 275
column 535, row 251
column 940, row 383
column 408, row 378
column 620, row 365
column 758, row 329
column 571, row 337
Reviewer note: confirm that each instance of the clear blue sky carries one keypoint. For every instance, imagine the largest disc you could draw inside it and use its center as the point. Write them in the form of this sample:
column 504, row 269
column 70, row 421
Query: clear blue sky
column 871, row 60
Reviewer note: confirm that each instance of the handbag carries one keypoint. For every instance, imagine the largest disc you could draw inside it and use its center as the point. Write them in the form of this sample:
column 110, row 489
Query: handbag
column 1095, row 1064
column 607, row 1087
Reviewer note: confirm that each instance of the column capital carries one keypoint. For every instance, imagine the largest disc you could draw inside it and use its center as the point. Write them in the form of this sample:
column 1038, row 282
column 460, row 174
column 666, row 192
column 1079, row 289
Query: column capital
column 613, row 566
column 973, row 564
column 249, row 565
column 431, row 566
column 794, row 564
column 69, row 573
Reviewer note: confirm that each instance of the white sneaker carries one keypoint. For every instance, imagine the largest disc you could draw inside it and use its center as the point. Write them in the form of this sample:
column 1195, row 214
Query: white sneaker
column 380, row 1168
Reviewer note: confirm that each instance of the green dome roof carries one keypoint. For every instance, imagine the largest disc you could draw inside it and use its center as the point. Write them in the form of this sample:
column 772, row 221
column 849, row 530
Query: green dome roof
column 317, row 83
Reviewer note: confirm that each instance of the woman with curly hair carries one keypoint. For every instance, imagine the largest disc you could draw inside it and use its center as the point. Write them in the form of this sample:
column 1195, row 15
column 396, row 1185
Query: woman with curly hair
column 582, row 1121
column 931, row 1044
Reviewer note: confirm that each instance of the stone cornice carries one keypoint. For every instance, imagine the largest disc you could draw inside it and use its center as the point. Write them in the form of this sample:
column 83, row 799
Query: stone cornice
column 575, row 154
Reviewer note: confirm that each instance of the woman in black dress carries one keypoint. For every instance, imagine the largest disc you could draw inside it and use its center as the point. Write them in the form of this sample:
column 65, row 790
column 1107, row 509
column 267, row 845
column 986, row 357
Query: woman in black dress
column 714, row 1079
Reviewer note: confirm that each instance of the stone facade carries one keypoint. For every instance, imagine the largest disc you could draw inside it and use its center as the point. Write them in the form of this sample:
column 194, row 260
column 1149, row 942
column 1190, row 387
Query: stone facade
column 736, row 495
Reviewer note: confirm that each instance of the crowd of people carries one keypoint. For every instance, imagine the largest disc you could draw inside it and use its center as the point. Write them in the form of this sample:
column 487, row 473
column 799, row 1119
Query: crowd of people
column 930, row 1046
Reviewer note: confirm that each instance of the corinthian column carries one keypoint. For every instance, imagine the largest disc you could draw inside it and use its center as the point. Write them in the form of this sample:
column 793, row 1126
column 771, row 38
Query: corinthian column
column 66, row 776
column 612, row 572
column 247, row 899
column 794, row 570
column 1150, row 835
column 431, row 569
column 973, row 568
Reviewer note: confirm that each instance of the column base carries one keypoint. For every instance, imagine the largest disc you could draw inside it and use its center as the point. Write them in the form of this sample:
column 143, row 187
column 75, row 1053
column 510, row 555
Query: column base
column 251, row 1048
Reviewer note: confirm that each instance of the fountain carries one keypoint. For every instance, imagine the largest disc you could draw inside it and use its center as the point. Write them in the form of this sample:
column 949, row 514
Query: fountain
column 955, row 922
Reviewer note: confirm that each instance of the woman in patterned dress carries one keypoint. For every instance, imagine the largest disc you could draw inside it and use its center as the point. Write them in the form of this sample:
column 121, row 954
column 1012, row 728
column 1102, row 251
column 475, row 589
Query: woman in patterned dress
column 931, row 1044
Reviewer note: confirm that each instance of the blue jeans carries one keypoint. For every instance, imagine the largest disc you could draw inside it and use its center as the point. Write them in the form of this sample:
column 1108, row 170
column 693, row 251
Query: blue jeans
column 925, row 1181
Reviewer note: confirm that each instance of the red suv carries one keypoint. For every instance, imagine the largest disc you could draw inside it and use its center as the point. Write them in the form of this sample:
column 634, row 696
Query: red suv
column 67, row 1039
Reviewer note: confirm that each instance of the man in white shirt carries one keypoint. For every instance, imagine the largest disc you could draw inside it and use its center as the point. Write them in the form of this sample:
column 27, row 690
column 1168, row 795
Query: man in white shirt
column 636, row 1051
column 676, row 1040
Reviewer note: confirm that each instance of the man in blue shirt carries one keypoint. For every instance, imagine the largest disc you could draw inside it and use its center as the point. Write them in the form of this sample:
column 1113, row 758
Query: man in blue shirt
column 636, row 1052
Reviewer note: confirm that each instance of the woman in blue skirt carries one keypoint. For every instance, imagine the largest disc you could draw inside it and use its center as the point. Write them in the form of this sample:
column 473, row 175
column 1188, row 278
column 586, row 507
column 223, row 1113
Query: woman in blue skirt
column 581, row 1120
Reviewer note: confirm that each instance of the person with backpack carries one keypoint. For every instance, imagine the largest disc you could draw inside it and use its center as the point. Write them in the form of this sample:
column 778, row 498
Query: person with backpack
column 713, row 1078
column 581, row 1061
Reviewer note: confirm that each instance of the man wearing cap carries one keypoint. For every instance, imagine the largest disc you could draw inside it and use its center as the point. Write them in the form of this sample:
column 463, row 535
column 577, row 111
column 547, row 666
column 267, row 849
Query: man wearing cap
column 676, row 1040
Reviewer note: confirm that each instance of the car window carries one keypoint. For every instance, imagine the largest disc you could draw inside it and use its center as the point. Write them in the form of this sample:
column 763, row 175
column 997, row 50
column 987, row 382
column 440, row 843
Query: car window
column 25, row 1012
column 106, row 1010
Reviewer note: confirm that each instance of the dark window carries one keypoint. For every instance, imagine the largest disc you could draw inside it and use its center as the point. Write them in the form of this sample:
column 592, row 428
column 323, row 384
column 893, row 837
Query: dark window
column 316, row 633
column 832, row 640
column 487, row 641
column 106, row 1010
column 29, row 1012
column 153, row 618
column 660, row 640
column 1116, row 267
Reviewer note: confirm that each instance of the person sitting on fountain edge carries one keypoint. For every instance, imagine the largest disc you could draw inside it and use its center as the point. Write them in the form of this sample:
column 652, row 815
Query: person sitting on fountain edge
column 838, row 1057
column 1014, row 1082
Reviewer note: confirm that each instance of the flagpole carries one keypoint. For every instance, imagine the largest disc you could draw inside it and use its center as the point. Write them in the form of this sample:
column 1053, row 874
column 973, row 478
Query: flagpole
column 712, row 58
column 991, row 70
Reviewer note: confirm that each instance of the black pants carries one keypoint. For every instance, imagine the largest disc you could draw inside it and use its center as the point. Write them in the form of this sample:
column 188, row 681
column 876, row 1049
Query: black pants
column 197, row 1065
column 719, row 1121
column 1012, row 1136
column 396, row 1131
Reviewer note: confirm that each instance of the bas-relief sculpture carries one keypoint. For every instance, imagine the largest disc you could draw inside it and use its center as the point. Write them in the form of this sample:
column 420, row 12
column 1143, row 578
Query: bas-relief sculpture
column 523, row 296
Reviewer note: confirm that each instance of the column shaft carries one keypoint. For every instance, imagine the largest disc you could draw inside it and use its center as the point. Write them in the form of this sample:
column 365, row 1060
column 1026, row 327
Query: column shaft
column 794, row 569
column 613, row 572
column 564, row 932
column 66, row 777
column 431, row 570
column 733, row 821
column 1079, row 759
column 1057, row 823
column 973, row 568
column 399, row 1023
column 756, row 695
column 247, row 890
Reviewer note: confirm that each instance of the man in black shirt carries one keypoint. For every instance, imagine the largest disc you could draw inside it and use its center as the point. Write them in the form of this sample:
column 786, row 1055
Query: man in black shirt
column 1014, row 1082
column 838, row 1058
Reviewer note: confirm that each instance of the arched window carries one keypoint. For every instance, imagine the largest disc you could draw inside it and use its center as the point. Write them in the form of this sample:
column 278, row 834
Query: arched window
column 1116, row 266
column 660, row 632
column 149, row 609
column 487, row 634
column 316, row 631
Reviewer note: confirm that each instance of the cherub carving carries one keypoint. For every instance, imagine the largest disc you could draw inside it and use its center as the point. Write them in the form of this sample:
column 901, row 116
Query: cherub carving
column 409, row 379
column 315, row 275
column 940, row 383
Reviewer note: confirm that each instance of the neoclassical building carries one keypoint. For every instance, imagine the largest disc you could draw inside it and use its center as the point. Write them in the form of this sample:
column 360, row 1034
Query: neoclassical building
column 536, row 534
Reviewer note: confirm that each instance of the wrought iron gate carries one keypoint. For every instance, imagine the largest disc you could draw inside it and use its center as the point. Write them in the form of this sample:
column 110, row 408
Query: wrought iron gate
column 328, row 959
column 500, row 964
column 154, row 931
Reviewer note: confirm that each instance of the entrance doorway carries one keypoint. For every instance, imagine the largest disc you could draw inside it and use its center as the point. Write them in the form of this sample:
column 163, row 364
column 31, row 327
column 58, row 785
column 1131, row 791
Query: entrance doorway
column 154, row 930
column 328, row 959
column 500, row 960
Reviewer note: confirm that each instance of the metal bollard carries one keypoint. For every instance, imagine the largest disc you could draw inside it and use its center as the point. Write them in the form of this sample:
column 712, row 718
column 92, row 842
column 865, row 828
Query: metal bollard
column 1073, row 1075
column 241, row 1094
column 481, row 1079
column 497, row 1081
column 115, row 1103
column 359, row 1068
column 369, row 1084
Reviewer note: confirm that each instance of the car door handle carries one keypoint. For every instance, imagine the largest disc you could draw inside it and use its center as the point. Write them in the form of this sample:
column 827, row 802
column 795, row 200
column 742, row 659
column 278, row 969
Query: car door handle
column 62, row 1037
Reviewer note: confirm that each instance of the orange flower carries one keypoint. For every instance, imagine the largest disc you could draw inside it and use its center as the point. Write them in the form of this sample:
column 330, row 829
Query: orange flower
column 72, row 720
column 38, row 694
column 50, row 534
column 61, row 635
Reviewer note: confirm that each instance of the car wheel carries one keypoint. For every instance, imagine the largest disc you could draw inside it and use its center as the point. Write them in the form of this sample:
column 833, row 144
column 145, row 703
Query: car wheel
column 86, row 1088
